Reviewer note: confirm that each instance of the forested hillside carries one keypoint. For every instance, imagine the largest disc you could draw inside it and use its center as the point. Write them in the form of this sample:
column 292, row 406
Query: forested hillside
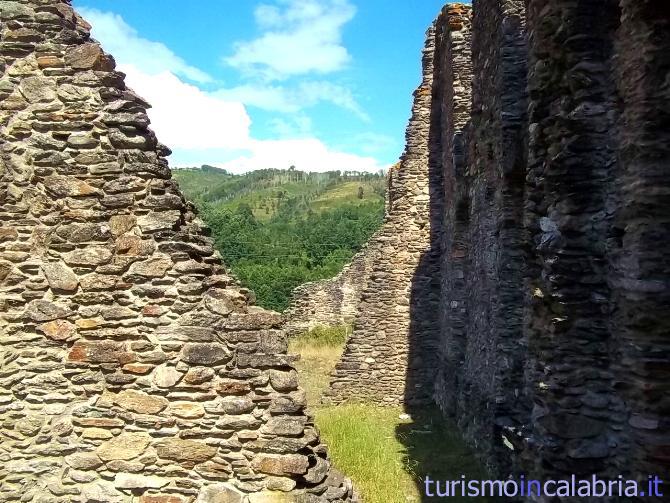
column 277, row 229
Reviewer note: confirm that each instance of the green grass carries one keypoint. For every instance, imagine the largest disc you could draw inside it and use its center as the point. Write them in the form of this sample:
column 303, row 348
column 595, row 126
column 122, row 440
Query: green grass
column 322, row 336
column 388, row 457
column 347, row 193
column 319, row 350
column 386, row 454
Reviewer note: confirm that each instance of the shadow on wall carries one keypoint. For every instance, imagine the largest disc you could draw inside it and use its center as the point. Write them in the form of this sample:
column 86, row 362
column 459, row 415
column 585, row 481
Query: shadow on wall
column 423, row 363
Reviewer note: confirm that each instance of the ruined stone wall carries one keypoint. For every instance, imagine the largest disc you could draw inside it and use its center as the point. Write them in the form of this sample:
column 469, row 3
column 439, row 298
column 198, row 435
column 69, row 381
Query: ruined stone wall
column 572, row 173
column 482, row 369
column 391, row 357
column 542, row 140
column 330, row 302
column 640, row 277
column 555, row 277
column 132, row 367
column 598, row 220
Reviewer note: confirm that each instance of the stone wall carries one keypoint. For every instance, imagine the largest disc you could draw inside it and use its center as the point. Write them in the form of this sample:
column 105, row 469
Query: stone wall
column 598, row 221
column 523, row 277
column 555, row 277
column 330, row 302
column 132, row 366
column 482, row 371
column 391, row 357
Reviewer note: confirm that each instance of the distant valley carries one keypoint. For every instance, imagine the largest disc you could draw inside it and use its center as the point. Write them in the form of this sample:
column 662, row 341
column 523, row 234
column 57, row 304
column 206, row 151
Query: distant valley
column 277, row 229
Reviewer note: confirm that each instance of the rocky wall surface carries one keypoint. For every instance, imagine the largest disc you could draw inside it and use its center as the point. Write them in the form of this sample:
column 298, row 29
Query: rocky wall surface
column 549, row 123
column 392, row 356
column 330, row 302
column 482, row 370
column 641, row 270
column 596, row 207
column 132, row 366
column 555, row 278
column 571, row 190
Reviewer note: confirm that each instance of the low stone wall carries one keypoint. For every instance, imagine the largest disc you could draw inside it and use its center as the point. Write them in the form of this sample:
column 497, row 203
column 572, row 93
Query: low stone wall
column 330, row 302
column 133, row 367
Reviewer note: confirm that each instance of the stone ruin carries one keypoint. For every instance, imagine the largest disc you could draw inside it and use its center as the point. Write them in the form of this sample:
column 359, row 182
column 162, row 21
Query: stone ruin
column 132, row 365
column 330, row 302
column 392, row 355
column 521, row 279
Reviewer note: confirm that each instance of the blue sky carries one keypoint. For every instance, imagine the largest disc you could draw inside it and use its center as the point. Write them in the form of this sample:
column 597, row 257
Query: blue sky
column 247, row 84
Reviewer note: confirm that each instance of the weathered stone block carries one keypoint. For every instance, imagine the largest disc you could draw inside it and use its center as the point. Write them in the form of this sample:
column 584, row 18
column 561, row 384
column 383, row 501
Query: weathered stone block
column 89, row 56
column 135, row 481
column 89, row 256
column 186, row 452
column 155, row 267
column 187, row 410
column 58, row 330
column 101, row 352
column 60, row 276
column 63, row 186
column 83, row 461
column 44, row 310
column 166, row 377
column 220, row 493
column 284, row 381
column 205, row 354
column 142, row 403
column 126, row 446
column 38, row 89
column 277, row 464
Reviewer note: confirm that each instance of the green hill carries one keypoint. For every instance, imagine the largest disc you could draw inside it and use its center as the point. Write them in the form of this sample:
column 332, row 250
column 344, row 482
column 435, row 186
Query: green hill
column 277, row 229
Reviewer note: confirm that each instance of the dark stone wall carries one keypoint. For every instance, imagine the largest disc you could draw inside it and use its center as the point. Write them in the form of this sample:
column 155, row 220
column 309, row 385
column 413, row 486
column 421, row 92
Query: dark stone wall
column 641, row 233
column 571, row 192
column 555, row 277
column 483, row 162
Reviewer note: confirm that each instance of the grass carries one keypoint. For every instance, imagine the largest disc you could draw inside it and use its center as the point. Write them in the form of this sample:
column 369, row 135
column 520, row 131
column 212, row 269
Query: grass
column 322, row 337
column 347, row 193
column 319, row 350
column 387, row 457
column 385, row 452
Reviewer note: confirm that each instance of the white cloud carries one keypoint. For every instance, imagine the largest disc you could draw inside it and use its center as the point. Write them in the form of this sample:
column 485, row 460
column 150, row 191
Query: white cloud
column 299, row 37
column 307, row 154
column 214, row 127
column 124, row 43
column 304, row 95
column 185, row 116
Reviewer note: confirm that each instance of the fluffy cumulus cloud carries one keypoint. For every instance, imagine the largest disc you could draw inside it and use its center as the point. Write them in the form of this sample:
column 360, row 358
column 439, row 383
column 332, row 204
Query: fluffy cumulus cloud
column 213, row 127
column 284, row 99
column 297, row 37
column 123, row 41
column 186, row 117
